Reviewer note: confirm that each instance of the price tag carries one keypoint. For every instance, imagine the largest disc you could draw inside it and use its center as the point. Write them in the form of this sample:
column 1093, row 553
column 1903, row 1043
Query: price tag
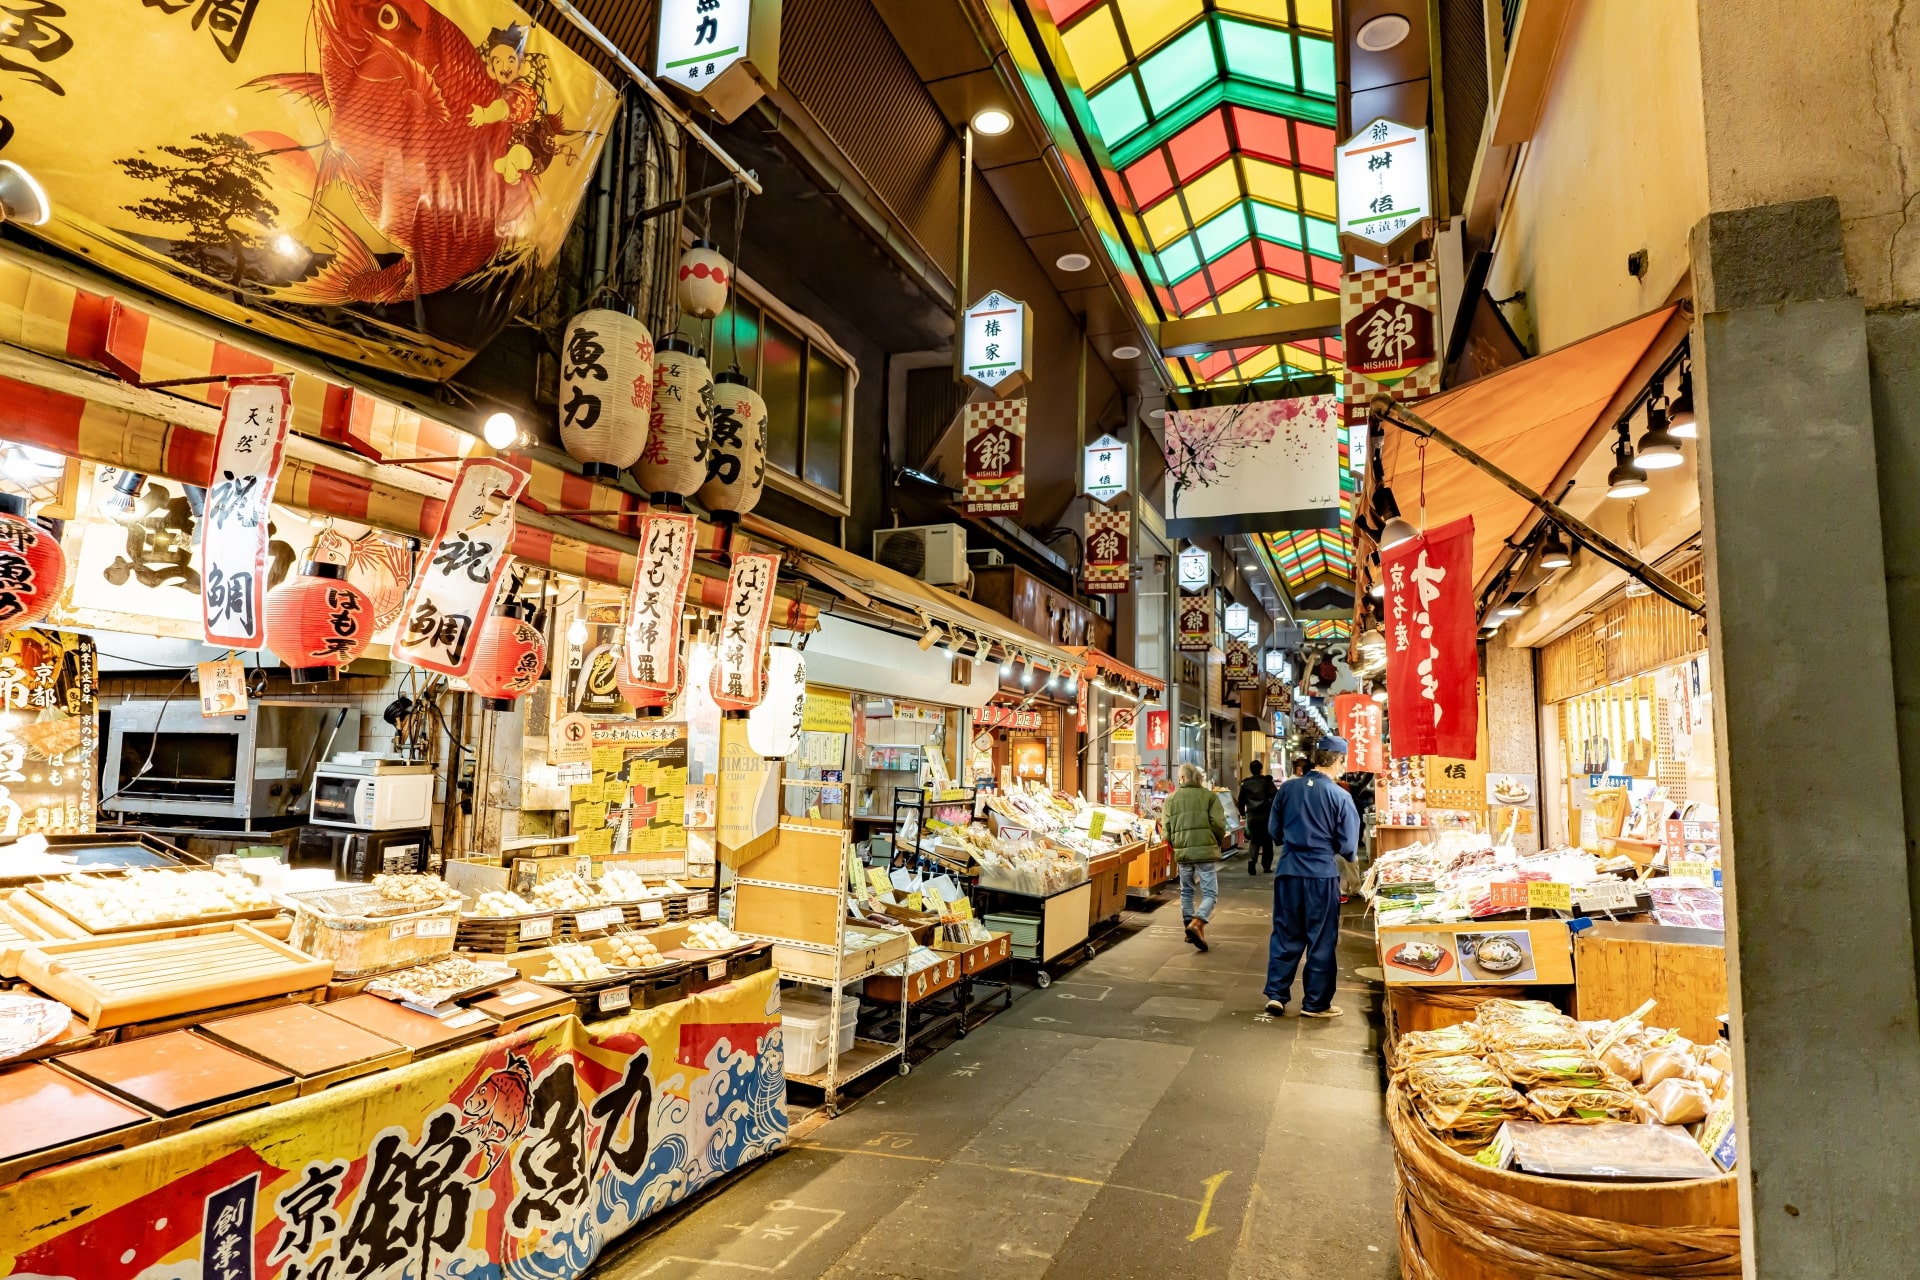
column 716, row 970
column 583, row 867
column 403, row 929
column 440, row 927
column 1507, row 895
column 653, row 911
column 534, row 930
column 1550, row 895
column 1605, row 895
column 1097, row 824
column 608, row 917
column 466, row 1019
column 696, row 904
column 519, row 998
column 614, row 999
column 1690, row 869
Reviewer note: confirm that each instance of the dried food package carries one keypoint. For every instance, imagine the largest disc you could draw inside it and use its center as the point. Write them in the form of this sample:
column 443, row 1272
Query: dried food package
column 1480, row 1107
column 1500, row 1012
column 1534, row 1068
column 1436, row 1074
column 1665, row 1064
column 1442, row 1042
column 1506, row 1037
column 1562, row 1105
column 1623, row 1059
column 1677, row 1101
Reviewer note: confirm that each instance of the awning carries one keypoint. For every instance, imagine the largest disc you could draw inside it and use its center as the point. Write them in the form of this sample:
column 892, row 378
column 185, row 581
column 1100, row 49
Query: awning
column 1098, row 662
column 1537, row 420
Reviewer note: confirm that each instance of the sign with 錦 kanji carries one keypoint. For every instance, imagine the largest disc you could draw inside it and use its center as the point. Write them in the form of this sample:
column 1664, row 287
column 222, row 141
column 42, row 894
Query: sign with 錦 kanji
column 1106, row 469
column 233, row 534
column 994, row 442
column 725, row 52
column 995, row 344
column 1109, row 561
column 1385, row 192
column 1240, row 671
column 453, row 589
column 1195, row 624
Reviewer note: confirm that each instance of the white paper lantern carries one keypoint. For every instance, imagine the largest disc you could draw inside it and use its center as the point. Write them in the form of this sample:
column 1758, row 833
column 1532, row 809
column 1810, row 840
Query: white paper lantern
column 675, row 461
column 736, row 447
column 606, row 391
column 773, row 727
column 705, row 278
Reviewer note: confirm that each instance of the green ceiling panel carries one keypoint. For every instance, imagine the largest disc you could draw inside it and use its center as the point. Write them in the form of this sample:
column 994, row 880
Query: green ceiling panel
column 1183, row 68
column 1257, row 53
column 1117, row 109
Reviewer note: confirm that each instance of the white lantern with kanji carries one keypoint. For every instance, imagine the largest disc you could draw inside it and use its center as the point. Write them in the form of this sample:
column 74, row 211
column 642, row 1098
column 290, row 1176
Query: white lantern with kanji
column 606, row 391
column 736, row 448
column 773, row 727
column 705, row 278
column 675, row 461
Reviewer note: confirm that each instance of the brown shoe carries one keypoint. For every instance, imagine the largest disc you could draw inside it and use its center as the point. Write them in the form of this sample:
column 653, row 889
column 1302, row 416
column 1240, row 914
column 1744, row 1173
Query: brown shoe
column 1199, row 933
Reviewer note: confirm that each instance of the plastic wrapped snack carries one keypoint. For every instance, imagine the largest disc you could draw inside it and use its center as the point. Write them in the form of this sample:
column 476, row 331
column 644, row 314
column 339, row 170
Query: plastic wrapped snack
column 1572, row 1069
column 1677, row 1101
column 1665, row 1064
column 1507, row 1012
column 1584, row 1106
column 1623, row 1060
column 1432, row 1075
column 1442, row 1042
column 1506, row 1037
column 1715, row 1055
column 1478, row 1107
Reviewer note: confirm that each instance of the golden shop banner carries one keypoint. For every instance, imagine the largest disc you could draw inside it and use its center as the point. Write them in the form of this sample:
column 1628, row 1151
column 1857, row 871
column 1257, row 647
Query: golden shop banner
column 514, row 1159
column 381, row 180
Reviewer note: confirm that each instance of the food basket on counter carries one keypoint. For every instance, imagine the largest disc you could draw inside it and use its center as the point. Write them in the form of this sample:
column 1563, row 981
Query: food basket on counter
column 506, row 935
column 364, row 932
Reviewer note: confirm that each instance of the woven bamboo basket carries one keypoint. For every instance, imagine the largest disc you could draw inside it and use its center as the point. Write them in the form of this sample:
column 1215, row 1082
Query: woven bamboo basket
column 1416, row 1008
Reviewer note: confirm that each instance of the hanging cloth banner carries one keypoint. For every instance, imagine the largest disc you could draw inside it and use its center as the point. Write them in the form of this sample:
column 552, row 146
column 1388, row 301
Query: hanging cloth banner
column 233, row 538
column 659, row 595
column 452, row 591
column 1109, row 567
column 1358, row 718
column 747, row 822
column 995, row 442
column 740, row 667
column 1432, row 661
column 1196, row 624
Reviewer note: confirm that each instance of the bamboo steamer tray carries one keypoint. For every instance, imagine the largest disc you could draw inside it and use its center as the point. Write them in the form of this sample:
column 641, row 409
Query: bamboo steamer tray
column 114, row 981
column 37, row 892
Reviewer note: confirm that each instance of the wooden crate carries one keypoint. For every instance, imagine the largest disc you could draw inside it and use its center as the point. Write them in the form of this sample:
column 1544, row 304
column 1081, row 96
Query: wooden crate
column 114, row 981
column 38, row 894
column 930, row 981
column 855, row 964
column 1617, row 967
column 504, row 935
column 786, row 913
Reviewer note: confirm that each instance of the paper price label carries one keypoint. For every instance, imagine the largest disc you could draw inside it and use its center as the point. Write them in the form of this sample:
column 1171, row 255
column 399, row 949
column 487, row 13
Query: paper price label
column 466, row 1019
column 1690, row 869
column 438, row 928
column 534, row 930
column 1549, row 895
column 404, row 929
column 1507, row 895
column 652, row 911
column 1097, row 824
column 716, row 970
column 696, row 904
column 1605, row 895
column 614, row 999
column 583, row 867
column 519, row 998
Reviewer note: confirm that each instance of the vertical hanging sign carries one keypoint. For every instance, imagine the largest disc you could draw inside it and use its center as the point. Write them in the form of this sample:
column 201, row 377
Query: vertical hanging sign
column 739, row 678
column 1105, row 471
column 995, row 436
column 453, row 589
column 1357, row 716
column 659, row 595
column 1432, row 661
column 995, row 343
column 1196, row 624
column 233, row 538
column 1109, row 566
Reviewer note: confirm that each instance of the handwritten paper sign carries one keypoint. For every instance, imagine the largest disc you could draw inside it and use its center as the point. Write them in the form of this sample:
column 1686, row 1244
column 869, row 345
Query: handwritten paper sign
column 659, row 596
column 455, row 585
column 233, row 537
column 739, row 678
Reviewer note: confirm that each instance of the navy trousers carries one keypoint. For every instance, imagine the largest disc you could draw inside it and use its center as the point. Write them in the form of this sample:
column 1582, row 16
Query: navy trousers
column 1306, row 921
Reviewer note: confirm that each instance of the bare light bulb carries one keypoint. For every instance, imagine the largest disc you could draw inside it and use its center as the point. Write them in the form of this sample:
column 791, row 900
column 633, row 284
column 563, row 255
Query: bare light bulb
column 500, row 430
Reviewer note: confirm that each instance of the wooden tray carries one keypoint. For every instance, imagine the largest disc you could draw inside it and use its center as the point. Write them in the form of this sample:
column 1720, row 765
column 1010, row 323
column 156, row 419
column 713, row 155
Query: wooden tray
column 417, row 1031
column 17, row 933
column 113, row 981
column 48, row 1116
column 180, row 1073
column 522, row 1002
column 305, row 1042
column 252, row 913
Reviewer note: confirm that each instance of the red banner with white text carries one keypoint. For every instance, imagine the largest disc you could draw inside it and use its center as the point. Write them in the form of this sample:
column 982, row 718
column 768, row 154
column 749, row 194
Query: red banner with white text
column 1358, row 717
column 1432, row 661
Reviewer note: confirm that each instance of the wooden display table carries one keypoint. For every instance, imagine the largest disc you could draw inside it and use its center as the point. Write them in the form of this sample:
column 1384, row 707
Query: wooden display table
column 1108, row 876
column 1151, row 867
column 1616, row 966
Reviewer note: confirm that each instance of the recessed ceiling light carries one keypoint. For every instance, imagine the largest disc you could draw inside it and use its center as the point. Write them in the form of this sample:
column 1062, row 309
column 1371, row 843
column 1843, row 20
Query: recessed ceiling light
column 1383, row 33
column 1073, row 262
column 993, row 122
column 1127, row 352
column 1156, row 413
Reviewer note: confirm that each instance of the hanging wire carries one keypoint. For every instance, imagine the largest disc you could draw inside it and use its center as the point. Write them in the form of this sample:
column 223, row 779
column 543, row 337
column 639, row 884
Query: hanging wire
column 733, row 300
column 1420, row 447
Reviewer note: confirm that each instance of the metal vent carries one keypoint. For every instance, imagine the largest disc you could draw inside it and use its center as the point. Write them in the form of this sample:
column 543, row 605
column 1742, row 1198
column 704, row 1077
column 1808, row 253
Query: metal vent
column 904, row 551
column 1463, row 78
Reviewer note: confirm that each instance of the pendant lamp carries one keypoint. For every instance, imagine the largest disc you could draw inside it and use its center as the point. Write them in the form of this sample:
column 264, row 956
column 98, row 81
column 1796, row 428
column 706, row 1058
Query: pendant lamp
column 318, row 622
column 675, row 461
column 736, row 448
column 606, row 391
column 507, row 661
column 32, row 568
column 705, row 277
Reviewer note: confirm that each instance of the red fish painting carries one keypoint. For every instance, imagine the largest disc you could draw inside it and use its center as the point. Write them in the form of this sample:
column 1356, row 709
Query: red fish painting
column 497, row 1110
column 430, row 134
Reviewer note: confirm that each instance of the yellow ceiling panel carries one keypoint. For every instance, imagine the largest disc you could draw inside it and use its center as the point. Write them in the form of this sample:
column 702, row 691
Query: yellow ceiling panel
column 1270, row 182
column 1314, row 15
column 1319, row 195
column 1165, row 222
column 1271, row 10
column 1094, row 49
column 1263, row 362
column 1212, row 191
column 1149, row 22
column 1243, row 296
column 1301, row 358
column 1285, row 290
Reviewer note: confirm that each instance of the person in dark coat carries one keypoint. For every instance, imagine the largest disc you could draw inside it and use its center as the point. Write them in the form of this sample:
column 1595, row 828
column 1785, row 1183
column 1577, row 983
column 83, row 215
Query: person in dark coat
column 1255, row 800
column 1315, row 824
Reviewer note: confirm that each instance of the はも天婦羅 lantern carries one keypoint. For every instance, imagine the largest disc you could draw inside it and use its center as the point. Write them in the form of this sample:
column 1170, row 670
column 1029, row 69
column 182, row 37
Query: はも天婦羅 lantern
column 507, row 661
column 675, row 461
column 606, row 391
column 32, row 568
column 318, row 622
column 705, row 278
column 736, row 448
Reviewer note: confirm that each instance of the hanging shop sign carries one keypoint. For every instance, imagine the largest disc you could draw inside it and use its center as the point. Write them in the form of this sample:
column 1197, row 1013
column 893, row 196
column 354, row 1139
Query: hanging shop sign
column 774, row 727
column 454, row 588
column 1278, row 695
column 396, row 226
column 994, row 716
column 653, row 610
column 995, row 446
column 746, row 823
column 1385, row 191
column 1358, row 718
column 1109, row 564
column 1159, row 729
column 1196, row 569
column 736, row 448
column 233, row 535
column 724, row 52
column 1389, row 322
column 606, row 391
column 1254, row 468
column 740, row 667
column 1237, row 621
column 1241, row 672
column 996, row 347
column 318, row 622
column 1195, row 624
column 1432, row 660
column 1106, row 469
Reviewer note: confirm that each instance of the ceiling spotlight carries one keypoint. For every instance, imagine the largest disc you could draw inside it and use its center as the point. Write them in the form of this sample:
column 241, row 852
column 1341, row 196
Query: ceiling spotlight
column 1680, row 419
column 931, row 634
column 1156, row 413
column 1126, row 351
column 1396, row 532
column 1052, row 679
column 501, row 430
column 1073, row 683
column 1554, row 552
column 1625, row 480
column 1026, row 677
column 1512, row 607
column 1383, row 33
column 1073, row 262
column 22, row 199
column 1006, row 667
column 993, row 122
column 1658, row 449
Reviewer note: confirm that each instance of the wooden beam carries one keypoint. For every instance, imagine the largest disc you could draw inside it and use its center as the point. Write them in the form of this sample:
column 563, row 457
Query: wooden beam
column 1265, row 327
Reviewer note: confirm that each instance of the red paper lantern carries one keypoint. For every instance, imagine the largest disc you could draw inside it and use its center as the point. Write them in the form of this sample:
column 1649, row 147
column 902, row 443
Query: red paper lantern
column 318, row 622
column 643, row 700
column 32, row 569
column 507, row 661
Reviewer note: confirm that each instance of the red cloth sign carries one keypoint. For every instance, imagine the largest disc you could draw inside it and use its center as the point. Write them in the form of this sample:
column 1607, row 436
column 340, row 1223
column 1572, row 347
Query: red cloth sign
column 1432, row 662
column 1159, row 729
column 1358, row 718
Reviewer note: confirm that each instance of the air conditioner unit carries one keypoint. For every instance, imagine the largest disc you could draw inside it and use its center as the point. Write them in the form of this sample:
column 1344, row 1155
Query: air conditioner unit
column 986, row 558
column 935, row 553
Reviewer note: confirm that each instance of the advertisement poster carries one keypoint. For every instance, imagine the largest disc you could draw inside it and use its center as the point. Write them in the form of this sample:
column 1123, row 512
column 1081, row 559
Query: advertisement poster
column 1496, row 957
column 382, row 183
column 749, row 800
column 49, row 733
column 636, row 803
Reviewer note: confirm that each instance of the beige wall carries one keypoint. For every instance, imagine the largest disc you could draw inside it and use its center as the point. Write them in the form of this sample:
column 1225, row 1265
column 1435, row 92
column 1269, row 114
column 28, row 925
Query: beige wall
column 1615, row 165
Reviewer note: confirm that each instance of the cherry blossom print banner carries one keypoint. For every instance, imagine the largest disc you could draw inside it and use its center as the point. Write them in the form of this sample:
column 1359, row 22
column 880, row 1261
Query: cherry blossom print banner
column 1254, row 468
column 233, row 539
column 454, row 587
column 1433, row 663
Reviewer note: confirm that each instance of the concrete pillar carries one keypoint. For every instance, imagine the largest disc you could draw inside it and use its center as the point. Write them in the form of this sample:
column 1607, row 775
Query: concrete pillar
column 1819, row 931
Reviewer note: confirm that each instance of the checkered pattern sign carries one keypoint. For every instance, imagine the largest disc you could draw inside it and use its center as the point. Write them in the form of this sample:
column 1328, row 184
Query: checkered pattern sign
column 1109, row 555
column 1390, row 323
column 995, row 441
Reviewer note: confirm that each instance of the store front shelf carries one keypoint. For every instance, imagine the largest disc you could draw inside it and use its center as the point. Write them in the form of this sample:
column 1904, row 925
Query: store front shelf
column 857, row 1061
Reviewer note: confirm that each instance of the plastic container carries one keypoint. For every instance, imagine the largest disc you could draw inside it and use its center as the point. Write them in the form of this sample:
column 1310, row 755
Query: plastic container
column 804, row 1022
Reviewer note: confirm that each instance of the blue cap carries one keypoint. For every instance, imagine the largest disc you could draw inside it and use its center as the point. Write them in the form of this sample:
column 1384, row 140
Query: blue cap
column 1338, row 746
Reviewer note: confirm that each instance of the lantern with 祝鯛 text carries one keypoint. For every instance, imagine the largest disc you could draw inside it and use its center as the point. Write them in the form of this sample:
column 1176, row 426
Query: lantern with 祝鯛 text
column 32, row 569
column 705, row 278
column 736, row 448
column 773, row 727
column 507, row 661
column 318, row 622
column 675, row 461
column 606, row 391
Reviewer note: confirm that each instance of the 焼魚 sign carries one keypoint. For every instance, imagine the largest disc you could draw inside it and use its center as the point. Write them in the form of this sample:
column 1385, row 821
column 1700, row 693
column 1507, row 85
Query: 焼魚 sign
column 725, row 52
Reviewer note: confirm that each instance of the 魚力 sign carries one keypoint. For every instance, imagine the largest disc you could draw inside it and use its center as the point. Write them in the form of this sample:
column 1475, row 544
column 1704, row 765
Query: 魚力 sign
column 725, row 52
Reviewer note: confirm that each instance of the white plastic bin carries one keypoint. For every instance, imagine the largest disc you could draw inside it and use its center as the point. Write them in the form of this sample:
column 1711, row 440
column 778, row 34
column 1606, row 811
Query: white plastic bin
column 804, row 1022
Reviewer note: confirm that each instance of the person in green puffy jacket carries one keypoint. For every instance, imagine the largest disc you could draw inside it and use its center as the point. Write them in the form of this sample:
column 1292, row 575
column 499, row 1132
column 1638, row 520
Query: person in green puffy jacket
column 1196, row 823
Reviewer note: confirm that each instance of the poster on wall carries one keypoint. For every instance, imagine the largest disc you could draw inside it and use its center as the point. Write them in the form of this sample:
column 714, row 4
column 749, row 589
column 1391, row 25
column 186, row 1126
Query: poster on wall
column 995, row 445
column 636, row 803
column 1265, row 467
column 49, row 733
column 1433, row 662
column 397, row 227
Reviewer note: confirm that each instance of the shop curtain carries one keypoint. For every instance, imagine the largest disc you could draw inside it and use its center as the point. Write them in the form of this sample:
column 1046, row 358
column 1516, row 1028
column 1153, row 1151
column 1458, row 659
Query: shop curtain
column 1432, row 661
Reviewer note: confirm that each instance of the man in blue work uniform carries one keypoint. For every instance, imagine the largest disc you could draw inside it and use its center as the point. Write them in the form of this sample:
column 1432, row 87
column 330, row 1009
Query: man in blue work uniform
column 1313, row 820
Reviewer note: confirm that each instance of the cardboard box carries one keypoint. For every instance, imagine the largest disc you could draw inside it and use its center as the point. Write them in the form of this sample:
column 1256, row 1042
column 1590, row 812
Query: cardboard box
column 1544, row 949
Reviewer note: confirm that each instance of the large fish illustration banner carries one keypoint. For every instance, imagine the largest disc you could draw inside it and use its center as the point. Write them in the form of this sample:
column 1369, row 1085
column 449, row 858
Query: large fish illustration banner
column 518, row 1158
column 381, row 180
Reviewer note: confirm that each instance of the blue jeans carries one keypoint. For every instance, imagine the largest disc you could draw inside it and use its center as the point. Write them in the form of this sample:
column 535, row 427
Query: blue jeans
column 1306, row 921
column 1206, row 876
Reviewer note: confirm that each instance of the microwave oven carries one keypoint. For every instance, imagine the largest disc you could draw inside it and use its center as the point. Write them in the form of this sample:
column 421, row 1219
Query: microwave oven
column 372, row 794
column 161, row 756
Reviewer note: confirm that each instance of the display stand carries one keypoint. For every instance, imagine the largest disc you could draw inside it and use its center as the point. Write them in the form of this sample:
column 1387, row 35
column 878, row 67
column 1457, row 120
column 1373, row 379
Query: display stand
column 910, row 802
column 1059, row 927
